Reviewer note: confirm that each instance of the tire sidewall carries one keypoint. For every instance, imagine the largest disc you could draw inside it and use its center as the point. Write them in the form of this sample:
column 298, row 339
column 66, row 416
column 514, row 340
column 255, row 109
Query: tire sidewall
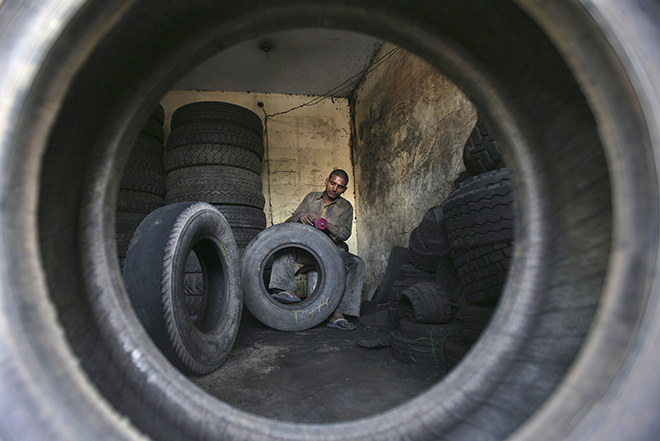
column 330, row 286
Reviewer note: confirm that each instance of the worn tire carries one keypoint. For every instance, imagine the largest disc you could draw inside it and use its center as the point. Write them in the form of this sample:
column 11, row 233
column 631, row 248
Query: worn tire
column 481, row 153
column 211, row 154
column 553, row 78
column 216, row 133
column 154, row 278
column 216, row 111
column 330, row 286
column 425, row 303
column 481, row 211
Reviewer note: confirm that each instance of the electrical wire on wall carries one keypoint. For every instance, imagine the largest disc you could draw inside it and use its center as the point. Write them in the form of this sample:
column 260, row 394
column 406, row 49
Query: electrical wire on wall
column 350, row 82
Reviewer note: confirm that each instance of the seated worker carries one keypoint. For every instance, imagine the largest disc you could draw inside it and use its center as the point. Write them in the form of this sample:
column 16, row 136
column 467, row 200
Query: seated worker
column 339, row 215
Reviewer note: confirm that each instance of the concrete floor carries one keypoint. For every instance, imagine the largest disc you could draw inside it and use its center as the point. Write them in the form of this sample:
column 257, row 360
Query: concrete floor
column 319, row 375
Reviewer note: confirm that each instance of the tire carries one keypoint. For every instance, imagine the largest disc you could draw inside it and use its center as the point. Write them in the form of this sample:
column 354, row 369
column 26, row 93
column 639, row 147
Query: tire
column 211, row 154
column 425, row 303
column 483, row 271
column 216, row 133
column 146, row 181
column 481, row 153
column 420, row 256
column 481, row 211
column 216, row 111
column 330, row 286
column 243, row 217
column 153, row 129
column 138, row 202
column 216, row 185
column 154, row 278
column 76, row 365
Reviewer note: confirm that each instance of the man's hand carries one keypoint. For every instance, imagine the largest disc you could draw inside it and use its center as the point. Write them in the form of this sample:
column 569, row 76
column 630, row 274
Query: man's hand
column 307, row 218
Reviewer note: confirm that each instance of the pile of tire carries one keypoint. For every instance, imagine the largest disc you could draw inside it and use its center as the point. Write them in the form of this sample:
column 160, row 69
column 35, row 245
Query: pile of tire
column 459, row 256
column 142, row 185
column 480, row 221
column 214, row 154
column 424, row 303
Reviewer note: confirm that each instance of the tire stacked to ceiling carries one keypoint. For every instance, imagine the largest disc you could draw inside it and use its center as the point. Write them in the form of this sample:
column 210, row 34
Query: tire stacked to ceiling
column 214, row 154
column 142, row 187
column 480, row 225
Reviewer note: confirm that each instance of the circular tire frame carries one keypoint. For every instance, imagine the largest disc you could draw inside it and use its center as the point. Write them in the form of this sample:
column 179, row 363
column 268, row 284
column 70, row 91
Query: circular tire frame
column 572, row 87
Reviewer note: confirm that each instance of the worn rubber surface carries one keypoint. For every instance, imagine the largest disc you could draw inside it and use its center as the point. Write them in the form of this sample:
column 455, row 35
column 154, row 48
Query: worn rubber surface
column 483, row 270
column 138, row 202
column 330, row 286
column 571, row 86
column 425, row 302
column 481, row 153
column 216, row 133
column 216, row 111
column 481, row 211
column 154, row 272
column 211, row 154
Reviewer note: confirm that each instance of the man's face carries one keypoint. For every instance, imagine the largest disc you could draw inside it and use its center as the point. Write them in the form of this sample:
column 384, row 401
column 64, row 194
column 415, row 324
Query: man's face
column 335, row 186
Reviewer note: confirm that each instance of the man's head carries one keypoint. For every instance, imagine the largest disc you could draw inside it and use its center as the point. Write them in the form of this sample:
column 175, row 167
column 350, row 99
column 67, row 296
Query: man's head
column 335, row 184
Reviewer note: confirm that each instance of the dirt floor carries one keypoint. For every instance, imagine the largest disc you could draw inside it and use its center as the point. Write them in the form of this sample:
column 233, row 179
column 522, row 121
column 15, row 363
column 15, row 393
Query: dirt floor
column 320, row 375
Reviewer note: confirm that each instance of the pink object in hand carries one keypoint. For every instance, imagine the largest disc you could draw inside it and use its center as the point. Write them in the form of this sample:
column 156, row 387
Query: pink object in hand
column 320, row 223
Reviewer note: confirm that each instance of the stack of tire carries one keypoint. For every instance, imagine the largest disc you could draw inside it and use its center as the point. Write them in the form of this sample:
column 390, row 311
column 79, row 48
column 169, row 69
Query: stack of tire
column 214, row 154
column 480, row 227
column 142, row 185
column 422, row 304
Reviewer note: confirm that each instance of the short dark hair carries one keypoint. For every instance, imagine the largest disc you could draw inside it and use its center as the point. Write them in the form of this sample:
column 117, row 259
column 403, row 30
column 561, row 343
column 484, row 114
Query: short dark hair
column 340, row 174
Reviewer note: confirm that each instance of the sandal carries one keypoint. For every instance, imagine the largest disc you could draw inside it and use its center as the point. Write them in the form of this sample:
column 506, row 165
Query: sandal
column 341, row 324
column 285, row 297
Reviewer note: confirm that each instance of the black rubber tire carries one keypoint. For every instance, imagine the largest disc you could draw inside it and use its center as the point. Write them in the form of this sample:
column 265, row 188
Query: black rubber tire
column 483, row 271
column 454, row 353
column 481, row 153
column 158, row 114
column 411, row 272
column 243, row 217
column 216, row 111
column 211, row 154
column 216, row 133
column 425, row 302
column 154, row 279
column 420, row 255
column 153, row 129
column 76, row 364
column 214, row 184
column 125, row 225
column 330, row 286
column 144, row 161
column 475, row 321
column 409, row 351
column 146, row 181
column 138, row 202
column 481, row 211
column 150, row 146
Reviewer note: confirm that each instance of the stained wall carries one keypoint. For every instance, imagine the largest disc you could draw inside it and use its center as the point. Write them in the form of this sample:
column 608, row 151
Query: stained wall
column 410, row 126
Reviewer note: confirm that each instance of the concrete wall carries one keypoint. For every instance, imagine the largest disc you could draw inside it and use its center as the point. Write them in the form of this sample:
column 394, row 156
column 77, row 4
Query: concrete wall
column 302, row 146
column 410, row 125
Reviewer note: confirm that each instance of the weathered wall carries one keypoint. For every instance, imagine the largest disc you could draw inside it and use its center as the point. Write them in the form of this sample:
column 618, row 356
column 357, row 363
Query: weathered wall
column 302, row 146
column 410, row 125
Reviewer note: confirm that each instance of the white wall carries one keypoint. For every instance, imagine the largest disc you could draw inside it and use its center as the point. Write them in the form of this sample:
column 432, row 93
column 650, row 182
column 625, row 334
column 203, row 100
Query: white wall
column 302, row 146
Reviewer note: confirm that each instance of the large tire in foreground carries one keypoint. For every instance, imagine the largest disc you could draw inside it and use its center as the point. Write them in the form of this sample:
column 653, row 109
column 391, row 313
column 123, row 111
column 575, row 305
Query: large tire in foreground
column 569, row 354
column 154, row 278
column 330, row 268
